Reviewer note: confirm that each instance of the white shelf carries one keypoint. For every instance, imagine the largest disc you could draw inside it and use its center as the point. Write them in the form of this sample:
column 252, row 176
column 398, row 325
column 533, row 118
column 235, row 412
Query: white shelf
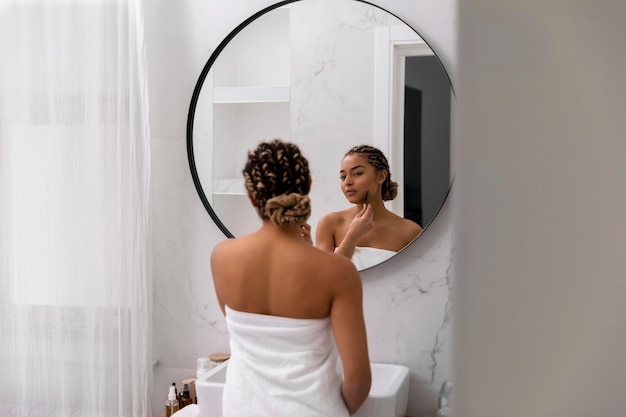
column 250, row 97
column 226, row 95
column 229, row 186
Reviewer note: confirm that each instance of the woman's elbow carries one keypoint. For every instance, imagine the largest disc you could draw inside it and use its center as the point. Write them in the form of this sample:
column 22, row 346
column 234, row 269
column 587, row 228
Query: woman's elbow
column 355, row 392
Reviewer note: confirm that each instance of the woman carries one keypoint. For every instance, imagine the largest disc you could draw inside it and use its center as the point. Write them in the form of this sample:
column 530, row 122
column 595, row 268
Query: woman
column 284, row 300
column 367, row 233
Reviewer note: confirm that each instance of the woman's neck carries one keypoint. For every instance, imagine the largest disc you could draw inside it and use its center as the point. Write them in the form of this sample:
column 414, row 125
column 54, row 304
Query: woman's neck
column 377, row 206
column 280, row 231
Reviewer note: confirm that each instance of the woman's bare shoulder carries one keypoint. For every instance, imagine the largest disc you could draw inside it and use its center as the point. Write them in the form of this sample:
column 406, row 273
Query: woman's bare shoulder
column 334, row 266
column 338, row 275
column 410, row 229
column 222, row 247
column 232, row 248
column 336, row 217
column 403, row 222
column 223, row 253
column 332, row 216
column 228, row 245
column 410, row 224
column 405, row 228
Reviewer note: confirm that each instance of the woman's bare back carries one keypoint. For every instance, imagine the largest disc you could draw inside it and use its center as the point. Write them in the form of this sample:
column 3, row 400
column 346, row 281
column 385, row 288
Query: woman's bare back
column 276, row 273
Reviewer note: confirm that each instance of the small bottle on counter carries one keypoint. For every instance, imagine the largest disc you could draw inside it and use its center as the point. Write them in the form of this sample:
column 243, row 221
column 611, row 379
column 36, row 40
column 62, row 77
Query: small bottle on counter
column 192, row 388
column 171, row 405
column 204, row 366
column 184, row 398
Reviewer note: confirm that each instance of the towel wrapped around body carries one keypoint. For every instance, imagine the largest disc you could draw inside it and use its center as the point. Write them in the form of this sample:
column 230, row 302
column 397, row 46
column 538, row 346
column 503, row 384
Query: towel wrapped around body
column 365, row 256
column 281, row 366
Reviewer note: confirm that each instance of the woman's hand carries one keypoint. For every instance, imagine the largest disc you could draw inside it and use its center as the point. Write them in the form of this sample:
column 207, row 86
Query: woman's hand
column 362, row 223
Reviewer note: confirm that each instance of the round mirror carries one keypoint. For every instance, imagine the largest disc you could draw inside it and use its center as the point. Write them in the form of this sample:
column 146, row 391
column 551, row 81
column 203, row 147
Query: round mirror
column 327, row 75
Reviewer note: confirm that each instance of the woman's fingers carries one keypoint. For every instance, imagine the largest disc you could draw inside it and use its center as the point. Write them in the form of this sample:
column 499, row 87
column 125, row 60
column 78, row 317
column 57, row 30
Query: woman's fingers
column 305, row 232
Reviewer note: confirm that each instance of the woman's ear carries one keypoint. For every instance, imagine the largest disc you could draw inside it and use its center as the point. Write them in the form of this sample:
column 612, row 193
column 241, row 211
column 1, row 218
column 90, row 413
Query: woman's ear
column 382, row 176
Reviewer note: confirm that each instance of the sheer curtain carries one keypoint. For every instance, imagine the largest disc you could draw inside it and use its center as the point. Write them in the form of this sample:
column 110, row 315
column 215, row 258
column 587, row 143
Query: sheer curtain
column 75, row 288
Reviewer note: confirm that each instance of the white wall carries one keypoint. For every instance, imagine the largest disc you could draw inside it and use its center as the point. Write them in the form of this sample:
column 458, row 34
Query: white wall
column 540, row 266
column 406, row 299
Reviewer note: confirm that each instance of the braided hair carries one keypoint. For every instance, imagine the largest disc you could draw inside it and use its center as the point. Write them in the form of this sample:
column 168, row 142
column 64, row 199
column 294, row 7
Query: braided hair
column 378, row 160
column 278, row 179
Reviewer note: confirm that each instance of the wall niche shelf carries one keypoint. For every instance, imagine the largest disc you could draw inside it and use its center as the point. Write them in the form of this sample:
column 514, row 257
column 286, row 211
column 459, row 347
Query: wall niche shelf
column 235, row 95
column 250, row 91
column 229, row 186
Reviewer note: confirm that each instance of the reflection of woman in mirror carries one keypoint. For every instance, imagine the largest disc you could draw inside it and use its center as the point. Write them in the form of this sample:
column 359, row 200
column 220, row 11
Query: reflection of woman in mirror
column 289, row 307
column 368, row 233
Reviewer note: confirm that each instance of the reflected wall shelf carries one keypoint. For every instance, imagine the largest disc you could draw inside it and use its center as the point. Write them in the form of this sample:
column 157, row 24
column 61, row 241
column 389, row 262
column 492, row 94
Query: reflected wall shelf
column 229, row 186
column 250, row 96
column 236, row 95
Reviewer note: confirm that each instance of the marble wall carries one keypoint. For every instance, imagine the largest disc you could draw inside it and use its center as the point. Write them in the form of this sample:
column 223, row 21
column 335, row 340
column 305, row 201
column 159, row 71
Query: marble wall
column 406, row 300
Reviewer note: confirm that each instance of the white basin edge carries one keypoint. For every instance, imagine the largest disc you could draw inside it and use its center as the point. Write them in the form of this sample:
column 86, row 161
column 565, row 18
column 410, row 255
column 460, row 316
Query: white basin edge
column 401, row 373
column 212, row 378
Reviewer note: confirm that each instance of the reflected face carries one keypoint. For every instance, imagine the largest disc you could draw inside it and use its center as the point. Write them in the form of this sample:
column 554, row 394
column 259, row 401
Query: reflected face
column 358, row 177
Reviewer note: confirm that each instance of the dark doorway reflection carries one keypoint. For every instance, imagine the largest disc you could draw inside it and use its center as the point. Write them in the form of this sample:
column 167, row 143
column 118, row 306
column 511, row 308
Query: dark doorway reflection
column 426, row 137
column 413, row 154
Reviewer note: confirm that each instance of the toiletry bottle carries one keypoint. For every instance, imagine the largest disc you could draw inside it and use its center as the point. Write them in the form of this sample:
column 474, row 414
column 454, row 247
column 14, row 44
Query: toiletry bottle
column 171, row 405
column 184, row 398
column 204, row 366
column 192, row 388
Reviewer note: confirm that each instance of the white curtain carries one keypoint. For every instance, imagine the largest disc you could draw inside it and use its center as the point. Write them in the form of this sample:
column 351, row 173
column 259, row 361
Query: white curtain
column 75, row 287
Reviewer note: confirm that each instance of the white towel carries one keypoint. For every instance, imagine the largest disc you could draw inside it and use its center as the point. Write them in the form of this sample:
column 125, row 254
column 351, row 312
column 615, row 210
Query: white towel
column 281, row 366
column 365, row 257
column 191, row 410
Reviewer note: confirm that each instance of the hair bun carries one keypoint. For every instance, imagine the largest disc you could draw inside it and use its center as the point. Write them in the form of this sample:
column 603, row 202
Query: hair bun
column 288, row 210
column 391, row 190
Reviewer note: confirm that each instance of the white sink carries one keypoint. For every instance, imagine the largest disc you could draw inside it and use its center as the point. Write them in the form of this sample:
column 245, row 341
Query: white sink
column 388, row 395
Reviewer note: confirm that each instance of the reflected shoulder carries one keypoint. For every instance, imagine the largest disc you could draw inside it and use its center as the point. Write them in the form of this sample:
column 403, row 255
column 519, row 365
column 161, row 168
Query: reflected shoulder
column 412, row 229
column 336, row 217
column 330, row 221
column 410, row 223
column 329, row 217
